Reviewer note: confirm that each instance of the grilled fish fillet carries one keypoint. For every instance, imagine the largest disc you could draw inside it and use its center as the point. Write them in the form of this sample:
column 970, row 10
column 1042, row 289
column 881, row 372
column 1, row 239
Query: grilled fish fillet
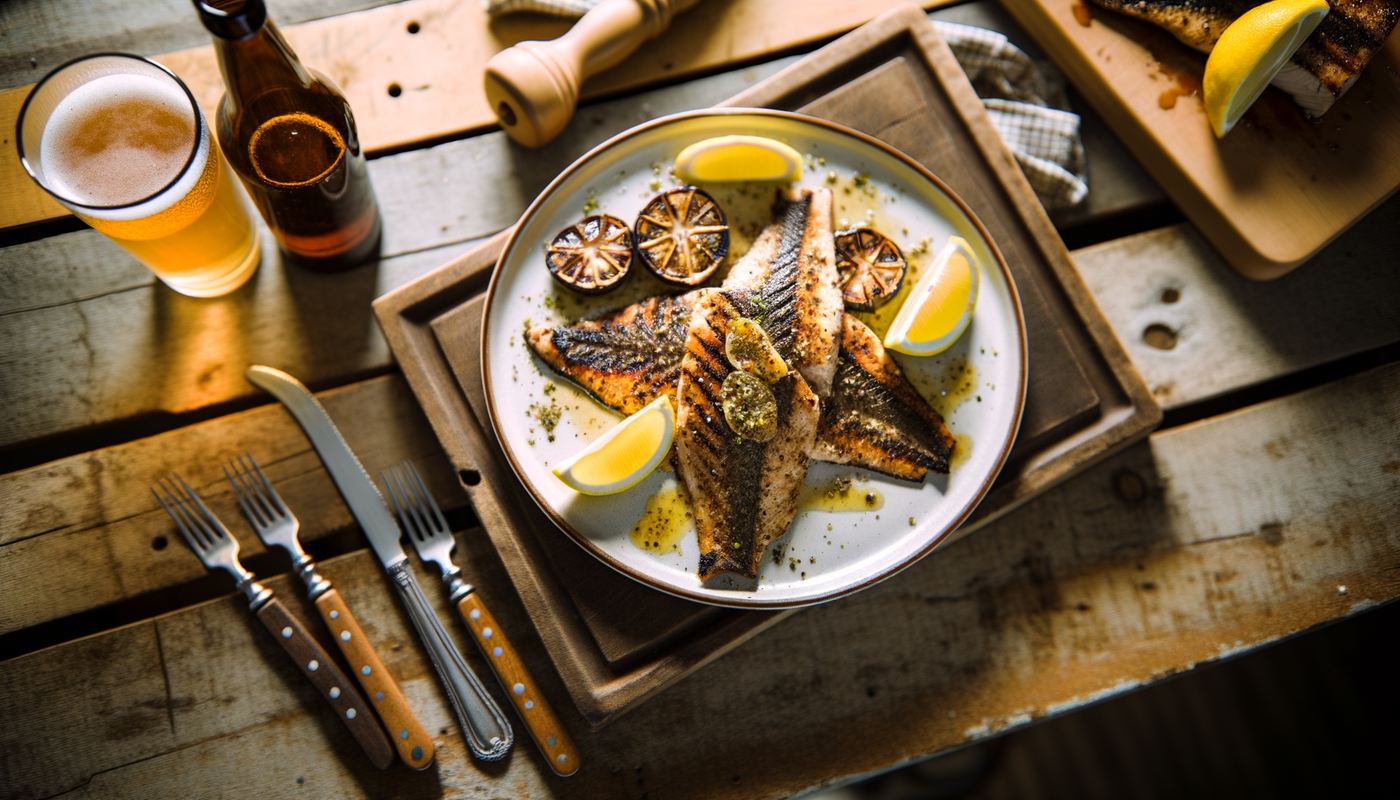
column 1322, row 69
column 875, row 418
column 625, row 358
column 744, row 491
column 789, row 281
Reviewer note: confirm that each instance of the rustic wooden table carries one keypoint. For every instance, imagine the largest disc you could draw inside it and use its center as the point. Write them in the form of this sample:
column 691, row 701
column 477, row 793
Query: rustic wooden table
column 1264, row 506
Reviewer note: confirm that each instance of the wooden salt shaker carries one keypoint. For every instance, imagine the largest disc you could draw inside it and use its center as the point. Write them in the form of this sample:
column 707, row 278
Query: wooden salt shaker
column 533, row 87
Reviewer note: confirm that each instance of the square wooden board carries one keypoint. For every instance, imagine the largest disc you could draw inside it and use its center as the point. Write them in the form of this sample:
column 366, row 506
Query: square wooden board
column 616, row 642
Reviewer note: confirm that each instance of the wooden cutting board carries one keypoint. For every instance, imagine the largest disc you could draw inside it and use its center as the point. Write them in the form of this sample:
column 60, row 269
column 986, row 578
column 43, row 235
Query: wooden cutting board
column 617, row 642
column 1275, row 190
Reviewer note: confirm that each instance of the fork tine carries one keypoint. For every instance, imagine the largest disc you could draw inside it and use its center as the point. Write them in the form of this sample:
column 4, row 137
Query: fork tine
column 250, row 511
column 197, row 527
column 390, row 479
column 402, row 503
column 271, row 492
column 427, row 496
column 210, row 523
column 256, row 493
column 179, row 522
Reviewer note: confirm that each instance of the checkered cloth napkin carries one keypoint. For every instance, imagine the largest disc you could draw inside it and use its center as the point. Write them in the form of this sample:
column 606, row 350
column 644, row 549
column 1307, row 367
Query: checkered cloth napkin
column 1024, row 99
column 1026, row 103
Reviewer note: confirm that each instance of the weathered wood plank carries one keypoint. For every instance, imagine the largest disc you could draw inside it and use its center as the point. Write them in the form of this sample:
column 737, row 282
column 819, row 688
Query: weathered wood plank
column 1140, row 568
column 436, row 64
column 53, row 31
column 210, row 676
column 61, row 556
column 146, row 350
column 1195, row 329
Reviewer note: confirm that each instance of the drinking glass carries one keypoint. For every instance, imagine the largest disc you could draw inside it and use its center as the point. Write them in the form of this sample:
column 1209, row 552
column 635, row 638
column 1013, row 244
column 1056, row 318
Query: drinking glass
column 121, row 142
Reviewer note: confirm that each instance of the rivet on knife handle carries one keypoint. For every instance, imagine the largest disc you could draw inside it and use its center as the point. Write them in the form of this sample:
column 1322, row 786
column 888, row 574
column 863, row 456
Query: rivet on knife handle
column 544, row 726
column 488, row 734
column 320, row 669
column 413, row 743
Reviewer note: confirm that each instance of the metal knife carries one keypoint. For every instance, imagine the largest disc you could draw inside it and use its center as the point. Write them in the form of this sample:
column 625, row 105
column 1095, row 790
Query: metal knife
column 488, row 733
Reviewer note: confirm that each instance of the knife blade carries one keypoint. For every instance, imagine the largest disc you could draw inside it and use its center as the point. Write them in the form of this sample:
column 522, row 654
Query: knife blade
column 488, row 733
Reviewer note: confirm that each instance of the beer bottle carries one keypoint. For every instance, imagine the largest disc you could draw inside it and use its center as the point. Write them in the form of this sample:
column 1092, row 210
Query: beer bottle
column 289, row 134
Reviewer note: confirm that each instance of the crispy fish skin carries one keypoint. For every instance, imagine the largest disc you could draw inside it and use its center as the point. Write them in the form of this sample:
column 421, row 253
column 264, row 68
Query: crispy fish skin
column 852, row 431
column 1335, row 53
column 625, row 358
column 875, row 418
column 744, row 491
column 788, row 281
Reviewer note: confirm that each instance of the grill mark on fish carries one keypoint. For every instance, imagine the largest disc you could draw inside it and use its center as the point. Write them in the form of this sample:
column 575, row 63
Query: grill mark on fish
column 779, row 291
column 623, row 358
column 875, row 418
column 715, row 351
column 788, row 282
column 744, row 491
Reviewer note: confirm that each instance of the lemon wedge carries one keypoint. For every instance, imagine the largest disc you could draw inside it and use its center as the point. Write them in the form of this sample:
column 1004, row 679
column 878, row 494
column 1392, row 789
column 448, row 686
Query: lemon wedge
column 1250, row 53
column 620, row 458
column 938, row 310
column 739, row 158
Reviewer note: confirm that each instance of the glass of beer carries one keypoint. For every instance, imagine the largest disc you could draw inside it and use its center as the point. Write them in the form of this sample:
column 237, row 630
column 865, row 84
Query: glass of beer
column 121, row 142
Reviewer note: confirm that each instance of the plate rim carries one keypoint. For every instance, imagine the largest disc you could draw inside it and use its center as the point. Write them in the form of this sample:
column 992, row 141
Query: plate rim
column 738, row 602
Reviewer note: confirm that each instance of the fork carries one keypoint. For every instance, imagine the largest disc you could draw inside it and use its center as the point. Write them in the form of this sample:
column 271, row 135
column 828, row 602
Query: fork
column 428, row 530
column 217, row 548
column 277, row 527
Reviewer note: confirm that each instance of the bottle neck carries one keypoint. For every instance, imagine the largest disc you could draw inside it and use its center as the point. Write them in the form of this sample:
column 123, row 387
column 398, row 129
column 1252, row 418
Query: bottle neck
column 253, row 56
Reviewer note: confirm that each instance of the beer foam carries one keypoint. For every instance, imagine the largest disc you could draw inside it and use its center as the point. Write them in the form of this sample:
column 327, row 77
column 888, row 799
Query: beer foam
column 118, row 140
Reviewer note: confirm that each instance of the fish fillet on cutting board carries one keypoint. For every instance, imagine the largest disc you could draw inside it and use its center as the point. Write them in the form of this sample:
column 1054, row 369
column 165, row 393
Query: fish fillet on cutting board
column 1323, row 68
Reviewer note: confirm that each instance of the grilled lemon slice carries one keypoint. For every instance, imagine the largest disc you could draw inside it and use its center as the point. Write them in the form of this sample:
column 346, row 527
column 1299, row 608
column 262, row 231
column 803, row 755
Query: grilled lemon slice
column 739, row 158
column 938, row 310
column 682, row 236
column 1250, row 53
column 620, row 458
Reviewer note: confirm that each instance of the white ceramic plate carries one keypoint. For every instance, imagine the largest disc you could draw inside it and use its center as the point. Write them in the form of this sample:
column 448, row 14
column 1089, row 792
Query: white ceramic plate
column 979, row 384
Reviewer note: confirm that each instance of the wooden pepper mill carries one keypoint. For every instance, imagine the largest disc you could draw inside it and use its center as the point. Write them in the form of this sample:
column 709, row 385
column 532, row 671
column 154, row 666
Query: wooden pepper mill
column 533, row 87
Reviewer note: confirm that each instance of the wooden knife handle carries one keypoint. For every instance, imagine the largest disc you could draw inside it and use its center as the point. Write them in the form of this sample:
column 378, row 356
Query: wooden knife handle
column 545, row 728
column 412, row 742
column 320, row 669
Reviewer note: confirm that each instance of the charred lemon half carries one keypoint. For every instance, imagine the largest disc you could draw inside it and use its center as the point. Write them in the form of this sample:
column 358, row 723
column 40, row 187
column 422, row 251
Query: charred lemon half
column 591, row 256
column 871, row 268
column 682, row 236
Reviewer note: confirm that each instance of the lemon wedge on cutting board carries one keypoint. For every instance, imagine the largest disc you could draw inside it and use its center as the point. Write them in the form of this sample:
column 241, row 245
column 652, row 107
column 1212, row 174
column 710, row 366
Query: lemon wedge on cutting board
column 1250, row 53
column 620, row 458
column 940, row 307
column 739, row 158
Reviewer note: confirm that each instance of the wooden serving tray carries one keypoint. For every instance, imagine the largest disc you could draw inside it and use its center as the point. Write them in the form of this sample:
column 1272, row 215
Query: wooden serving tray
column 1273, row 192
column 615, row 641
